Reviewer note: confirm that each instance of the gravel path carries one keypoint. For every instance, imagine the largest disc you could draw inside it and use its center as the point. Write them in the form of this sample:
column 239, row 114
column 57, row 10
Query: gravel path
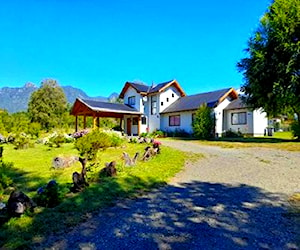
column 231, row 199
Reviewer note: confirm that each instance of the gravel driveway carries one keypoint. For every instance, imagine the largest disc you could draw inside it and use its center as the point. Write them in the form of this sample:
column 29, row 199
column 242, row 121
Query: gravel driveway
column 231, row 199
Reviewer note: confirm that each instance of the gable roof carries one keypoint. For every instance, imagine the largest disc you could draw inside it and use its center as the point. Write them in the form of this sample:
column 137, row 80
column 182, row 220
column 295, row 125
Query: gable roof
column 145, row 89
column 193, row 102
column 236, row 104
column 88, row 107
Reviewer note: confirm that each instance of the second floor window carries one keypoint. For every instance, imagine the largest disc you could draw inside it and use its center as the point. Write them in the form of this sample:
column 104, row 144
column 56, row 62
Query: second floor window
column 153, row 105
column 131, row 100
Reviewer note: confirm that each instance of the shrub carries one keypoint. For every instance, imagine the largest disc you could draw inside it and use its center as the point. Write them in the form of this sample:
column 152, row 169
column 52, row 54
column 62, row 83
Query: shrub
column 296, row 129
column 232, row 134
column 49, row 196
column 157, row 133
column 203, row 123
column 21, row 141
column 116, row 140
column 177, row 133
column 56, row 140
column 80, row 133
column 89, row 145
column 5, row 179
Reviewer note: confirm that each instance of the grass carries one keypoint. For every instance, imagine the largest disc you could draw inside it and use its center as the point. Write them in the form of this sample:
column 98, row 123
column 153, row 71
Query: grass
column 280, row 140
column 32, row 170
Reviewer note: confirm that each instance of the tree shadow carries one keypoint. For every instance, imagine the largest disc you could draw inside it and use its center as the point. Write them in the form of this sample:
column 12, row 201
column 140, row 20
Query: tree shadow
column 196, row 215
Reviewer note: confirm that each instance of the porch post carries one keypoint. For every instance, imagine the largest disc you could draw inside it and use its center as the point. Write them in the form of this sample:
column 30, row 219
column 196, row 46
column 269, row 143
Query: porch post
column 98, row 122
column 139, row 125
column 121, row 119
column 76, row 123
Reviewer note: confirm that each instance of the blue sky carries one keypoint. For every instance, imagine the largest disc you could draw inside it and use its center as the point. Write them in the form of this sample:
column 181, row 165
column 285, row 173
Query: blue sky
column 99, row 45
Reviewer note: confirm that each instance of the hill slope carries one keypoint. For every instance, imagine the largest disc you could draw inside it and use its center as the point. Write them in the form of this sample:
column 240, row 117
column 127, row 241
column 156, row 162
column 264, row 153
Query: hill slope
column 16, row 99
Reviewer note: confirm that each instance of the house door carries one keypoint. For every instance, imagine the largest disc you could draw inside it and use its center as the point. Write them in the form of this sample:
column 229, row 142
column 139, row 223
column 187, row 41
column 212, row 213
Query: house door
column 128, row 126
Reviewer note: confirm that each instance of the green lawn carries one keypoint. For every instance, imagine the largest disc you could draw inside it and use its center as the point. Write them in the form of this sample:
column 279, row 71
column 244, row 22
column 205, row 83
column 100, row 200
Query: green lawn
column 280, row 140
column 32, row 170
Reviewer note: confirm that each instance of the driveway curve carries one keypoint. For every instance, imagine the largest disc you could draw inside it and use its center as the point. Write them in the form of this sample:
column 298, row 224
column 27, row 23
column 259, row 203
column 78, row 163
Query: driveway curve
column 230, row 199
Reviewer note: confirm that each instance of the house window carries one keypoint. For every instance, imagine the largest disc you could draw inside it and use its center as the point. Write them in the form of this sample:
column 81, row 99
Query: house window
column 131, row 100
column 174, row 120
column 238, row 118
column 135, row 121
column 162, row 103
column 144, row 120
column 153, row 105
column 168, row 99
column 172, row 94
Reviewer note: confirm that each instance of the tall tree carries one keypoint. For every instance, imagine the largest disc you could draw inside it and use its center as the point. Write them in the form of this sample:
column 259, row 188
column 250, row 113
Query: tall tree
column 272, row 69
column 47, row 104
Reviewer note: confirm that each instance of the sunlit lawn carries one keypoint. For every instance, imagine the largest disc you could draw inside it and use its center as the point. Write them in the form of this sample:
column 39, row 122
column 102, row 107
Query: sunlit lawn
column 32, row 169
column 280, row 140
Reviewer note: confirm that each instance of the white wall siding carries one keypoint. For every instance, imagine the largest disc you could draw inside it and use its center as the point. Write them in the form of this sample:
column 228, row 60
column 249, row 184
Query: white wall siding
column 260, row 122
column 138, row 99
column 167, row 95
column 219, row 116
column 243, row 128
column 185, row 122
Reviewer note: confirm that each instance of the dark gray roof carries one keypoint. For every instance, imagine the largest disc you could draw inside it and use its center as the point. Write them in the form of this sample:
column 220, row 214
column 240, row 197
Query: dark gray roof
column 193, row 102
column 109, row 107
column 236, row 104
column 140, row 87
column 157, row 87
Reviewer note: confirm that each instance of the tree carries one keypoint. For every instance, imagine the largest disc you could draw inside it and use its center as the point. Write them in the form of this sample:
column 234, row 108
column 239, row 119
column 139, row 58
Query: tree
column 47, row 105
column 272, row 69
column 203, row 123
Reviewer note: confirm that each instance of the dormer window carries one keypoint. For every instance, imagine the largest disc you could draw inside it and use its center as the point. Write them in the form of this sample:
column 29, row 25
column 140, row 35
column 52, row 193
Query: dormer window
column 131, row 100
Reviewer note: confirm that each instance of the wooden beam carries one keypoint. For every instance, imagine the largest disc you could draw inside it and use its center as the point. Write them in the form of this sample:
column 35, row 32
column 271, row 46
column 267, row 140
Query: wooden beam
column 76, row 123
column 139, row 125
column 98, row 122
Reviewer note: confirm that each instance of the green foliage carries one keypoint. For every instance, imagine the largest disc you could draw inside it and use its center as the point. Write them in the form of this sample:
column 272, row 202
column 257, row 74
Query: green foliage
column 89, row 145
column 56, row 140
column 5, row 179
column 50, row 196
column 296, row 129
column 21, row 141
column 272, row 68
column 47, row 105
column 203, row 123
column 178, row 133
column 157, row 133
column 116, row 140
column 34, row 129
column 232, row 134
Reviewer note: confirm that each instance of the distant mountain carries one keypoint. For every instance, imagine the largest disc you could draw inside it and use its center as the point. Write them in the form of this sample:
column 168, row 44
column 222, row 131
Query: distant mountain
column 16, row 99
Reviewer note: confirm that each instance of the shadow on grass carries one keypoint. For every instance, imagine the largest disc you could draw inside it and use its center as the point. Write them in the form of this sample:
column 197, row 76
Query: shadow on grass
column 197, row 215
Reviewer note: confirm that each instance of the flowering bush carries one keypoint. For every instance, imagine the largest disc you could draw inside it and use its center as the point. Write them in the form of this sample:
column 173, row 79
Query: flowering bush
column 80, row 133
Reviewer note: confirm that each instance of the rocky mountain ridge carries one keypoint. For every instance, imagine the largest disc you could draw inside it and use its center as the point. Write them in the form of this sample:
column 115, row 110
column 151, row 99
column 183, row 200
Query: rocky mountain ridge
column 16, row 99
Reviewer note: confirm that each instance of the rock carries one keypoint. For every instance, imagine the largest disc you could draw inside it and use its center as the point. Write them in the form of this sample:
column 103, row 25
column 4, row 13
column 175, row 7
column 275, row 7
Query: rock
column 18, row 203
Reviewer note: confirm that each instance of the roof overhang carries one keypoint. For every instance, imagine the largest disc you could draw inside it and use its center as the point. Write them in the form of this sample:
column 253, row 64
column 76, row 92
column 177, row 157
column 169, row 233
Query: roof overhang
column 81, row 108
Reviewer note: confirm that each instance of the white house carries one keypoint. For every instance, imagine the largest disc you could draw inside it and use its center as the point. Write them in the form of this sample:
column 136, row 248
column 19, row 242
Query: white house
column 166, row 107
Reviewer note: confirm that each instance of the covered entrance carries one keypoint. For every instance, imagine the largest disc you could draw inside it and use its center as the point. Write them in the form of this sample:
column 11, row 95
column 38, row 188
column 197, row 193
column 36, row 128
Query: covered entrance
column 129, row 118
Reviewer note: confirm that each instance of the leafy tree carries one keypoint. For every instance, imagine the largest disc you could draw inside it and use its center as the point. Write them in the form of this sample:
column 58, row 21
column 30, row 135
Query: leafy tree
column 47, row 105
column 272, row 68
column 203, row 123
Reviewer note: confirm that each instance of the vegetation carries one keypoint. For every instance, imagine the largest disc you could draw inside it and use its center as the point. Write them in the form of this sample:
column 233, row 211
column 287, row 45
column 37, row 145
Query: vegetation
column 47, row 104
column 203, row 123
column 271, row 70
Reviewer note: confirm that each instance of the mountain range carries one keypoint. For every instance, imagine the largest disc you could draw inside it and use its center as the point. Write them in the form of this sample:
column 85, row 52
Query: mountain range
column 16, row 99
